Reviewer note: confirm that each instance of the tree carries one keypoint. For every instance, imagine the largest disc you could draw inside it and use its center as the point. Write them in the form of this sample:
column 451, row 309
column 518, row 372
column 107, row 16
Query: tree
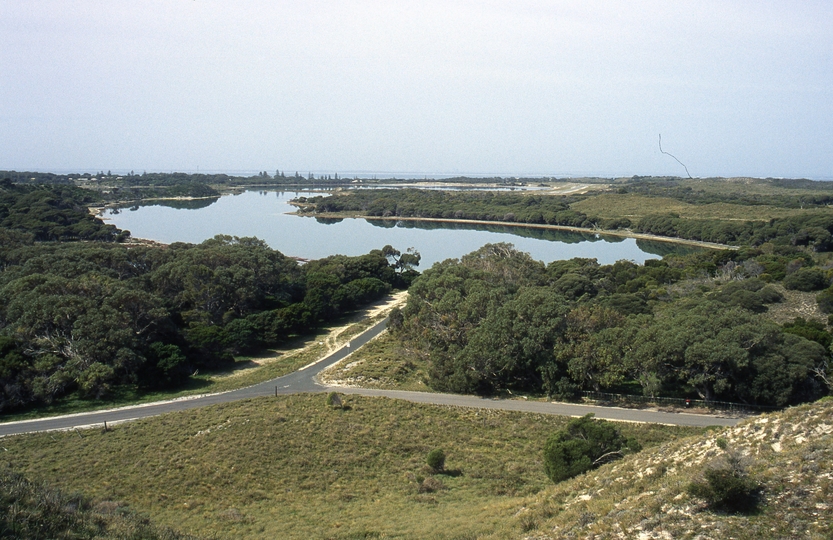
column 508, row 348
column 591, row 347
column 402, row 261
column 723, row 353
column 584, row 444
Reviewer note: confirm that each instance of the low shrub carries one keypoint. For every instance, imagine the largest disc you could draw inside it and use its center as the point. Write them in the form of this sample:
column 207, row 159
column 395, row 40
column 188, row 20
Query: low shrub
column 725, row 490
column 436, row 459
column 726, row 485
column 430, row 485
column 334, row 400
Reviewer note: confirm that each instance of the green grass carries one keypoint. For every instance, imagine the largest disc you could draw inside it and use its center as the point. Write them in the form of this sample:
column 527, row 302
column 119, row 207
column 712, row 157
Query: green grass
column 35, row 510
column 291, row 467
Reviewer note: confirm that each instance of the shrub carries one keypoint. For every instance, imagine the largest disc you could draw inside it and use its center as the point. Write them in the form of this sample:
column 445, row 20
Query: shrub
column 430, row 485
column 810, row 329
column 726, row 485
column 807, row 279
column 436, row 459
column 334, row 400
column 583, row 445
column 723, row 489
column 825, row 300
column 770, row 295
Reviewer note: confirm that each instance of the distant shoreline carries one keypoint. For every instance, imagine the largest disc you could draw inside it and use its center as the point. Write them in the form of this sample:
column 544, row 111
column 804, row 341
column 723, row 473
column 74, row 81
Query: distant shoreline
column 605, row 232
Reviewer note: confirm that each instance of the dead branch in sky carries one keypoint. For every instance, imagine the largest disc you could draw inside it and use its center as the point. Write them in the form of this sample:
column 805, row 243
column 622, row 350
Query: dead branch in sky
column 673, row 156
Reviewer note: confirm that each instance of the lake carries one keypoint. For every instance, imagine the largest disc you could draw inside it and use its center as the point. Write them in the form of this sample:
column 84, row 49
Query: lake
column 266, row 215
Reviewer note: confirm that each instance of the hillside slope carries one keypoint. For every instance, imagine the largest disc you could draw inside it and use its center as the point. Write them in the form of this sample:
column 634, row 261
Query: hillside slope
column 644, row 496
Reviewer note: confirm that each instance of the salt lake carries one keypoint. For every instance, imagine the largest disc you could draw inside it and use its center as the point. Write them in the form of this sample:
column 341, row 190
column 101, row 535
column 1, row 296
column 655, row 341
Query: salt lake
column 268, row 215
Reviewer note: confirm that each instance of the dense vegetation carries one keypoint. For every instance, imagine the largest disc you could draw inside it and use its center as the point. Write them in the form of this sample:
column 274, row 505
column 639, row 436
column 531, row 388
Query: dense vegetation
column 497, row 320
column 811, row 194
column 483, row 206
column 51, row 213
column 812, row 227
column 85, row 317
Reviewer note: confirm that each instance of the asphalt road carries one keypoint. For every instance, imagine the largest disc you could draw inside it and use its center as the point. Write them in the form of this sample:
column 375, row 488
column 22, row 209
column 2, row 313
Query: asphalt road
column 304, row 380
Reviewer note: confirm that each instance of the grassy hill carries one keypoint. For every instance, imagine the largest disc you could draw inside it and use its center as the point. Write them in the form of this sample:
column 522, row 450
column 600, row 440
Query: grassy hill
column 644, row 495
column 36, row 510
column 292, row 467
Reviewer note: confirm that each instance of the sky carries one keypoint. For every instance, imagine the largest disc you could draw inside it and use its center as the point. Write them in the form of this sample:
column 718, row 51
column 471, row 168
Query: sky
column 550, row 88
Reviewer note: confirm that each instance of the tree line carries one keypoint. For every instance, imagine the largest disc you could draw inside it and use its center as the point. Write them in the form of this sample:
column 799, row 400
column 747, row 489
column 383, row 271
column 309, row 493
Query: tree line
column 817, row 194
column 481, row 206
column 813, row 228
column 84, row 318
column 497, row 320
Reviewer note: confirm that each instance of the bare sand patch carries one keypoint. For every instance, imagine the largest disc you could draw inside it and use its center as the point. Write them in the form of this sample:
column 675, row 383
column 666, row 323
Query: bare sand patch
column 795, row 304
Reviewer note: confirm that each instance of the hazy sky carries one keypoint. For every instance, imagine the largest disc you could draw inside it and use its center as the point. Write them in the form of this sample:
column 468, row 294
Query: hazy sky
column 445, row 86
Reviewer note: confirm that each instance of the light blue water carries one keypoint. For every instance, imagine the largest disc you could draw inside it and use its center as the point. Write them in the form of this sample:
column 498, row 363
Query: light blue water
column 265, row 216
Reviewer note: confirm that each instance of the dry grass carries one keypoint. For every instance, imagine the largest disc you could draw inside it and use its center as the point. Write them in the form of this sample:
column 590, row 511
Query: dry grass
column 292, row 467
column 382, row 363
column 644, row 496
column 634, row 206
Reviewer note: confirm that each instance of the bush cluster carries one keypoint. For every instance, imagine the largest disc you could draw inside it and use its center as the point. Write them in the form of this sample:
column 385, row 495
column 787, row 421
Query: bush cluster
column 586, row 443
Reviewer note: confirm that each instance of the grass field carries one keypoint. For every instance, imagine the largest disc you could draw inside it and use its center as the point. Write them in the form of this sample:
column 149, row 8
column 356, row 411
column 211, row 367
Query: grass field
column 634, row 206
column 292, row 467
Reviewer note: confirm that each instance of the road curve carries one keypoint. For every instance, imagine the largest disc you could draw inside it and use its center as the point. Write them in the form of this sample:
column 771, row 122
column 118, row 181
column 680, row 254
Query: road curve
column 304, row 380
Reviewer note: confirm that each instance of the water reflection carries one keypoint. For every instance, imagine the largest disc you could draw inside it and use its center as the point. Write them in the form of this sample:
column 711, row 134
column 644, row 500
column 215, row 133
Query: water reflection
column 550, row 235
column 253, row 213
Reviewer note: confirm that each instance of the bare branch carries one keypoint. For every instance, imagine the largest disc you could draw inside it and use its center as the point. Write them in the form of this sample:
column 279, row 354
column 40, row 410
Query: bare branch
column 667, row 154
column 610, row 456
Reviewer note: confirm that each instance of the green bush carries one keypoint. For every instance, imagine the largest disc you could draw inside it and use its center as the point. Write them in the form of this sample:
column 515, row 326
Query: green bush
column 726, row 485
column 825, row 300
column 334, row 400
column 725, row 489
column 770, row 295
column 583, row 445
column 436, row 459
column 807, row 279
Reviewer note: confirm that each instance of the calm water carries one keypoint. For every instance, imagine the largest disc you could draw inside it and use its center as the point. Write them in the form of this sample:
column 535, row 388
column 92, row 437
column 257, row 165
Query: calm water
column 265, row 215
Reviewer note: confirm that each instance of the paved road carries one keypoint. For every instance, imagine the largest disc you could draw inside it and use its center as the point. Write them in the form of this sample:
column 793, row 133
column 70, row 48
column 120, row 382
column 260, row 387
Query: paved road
column 303, row 380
